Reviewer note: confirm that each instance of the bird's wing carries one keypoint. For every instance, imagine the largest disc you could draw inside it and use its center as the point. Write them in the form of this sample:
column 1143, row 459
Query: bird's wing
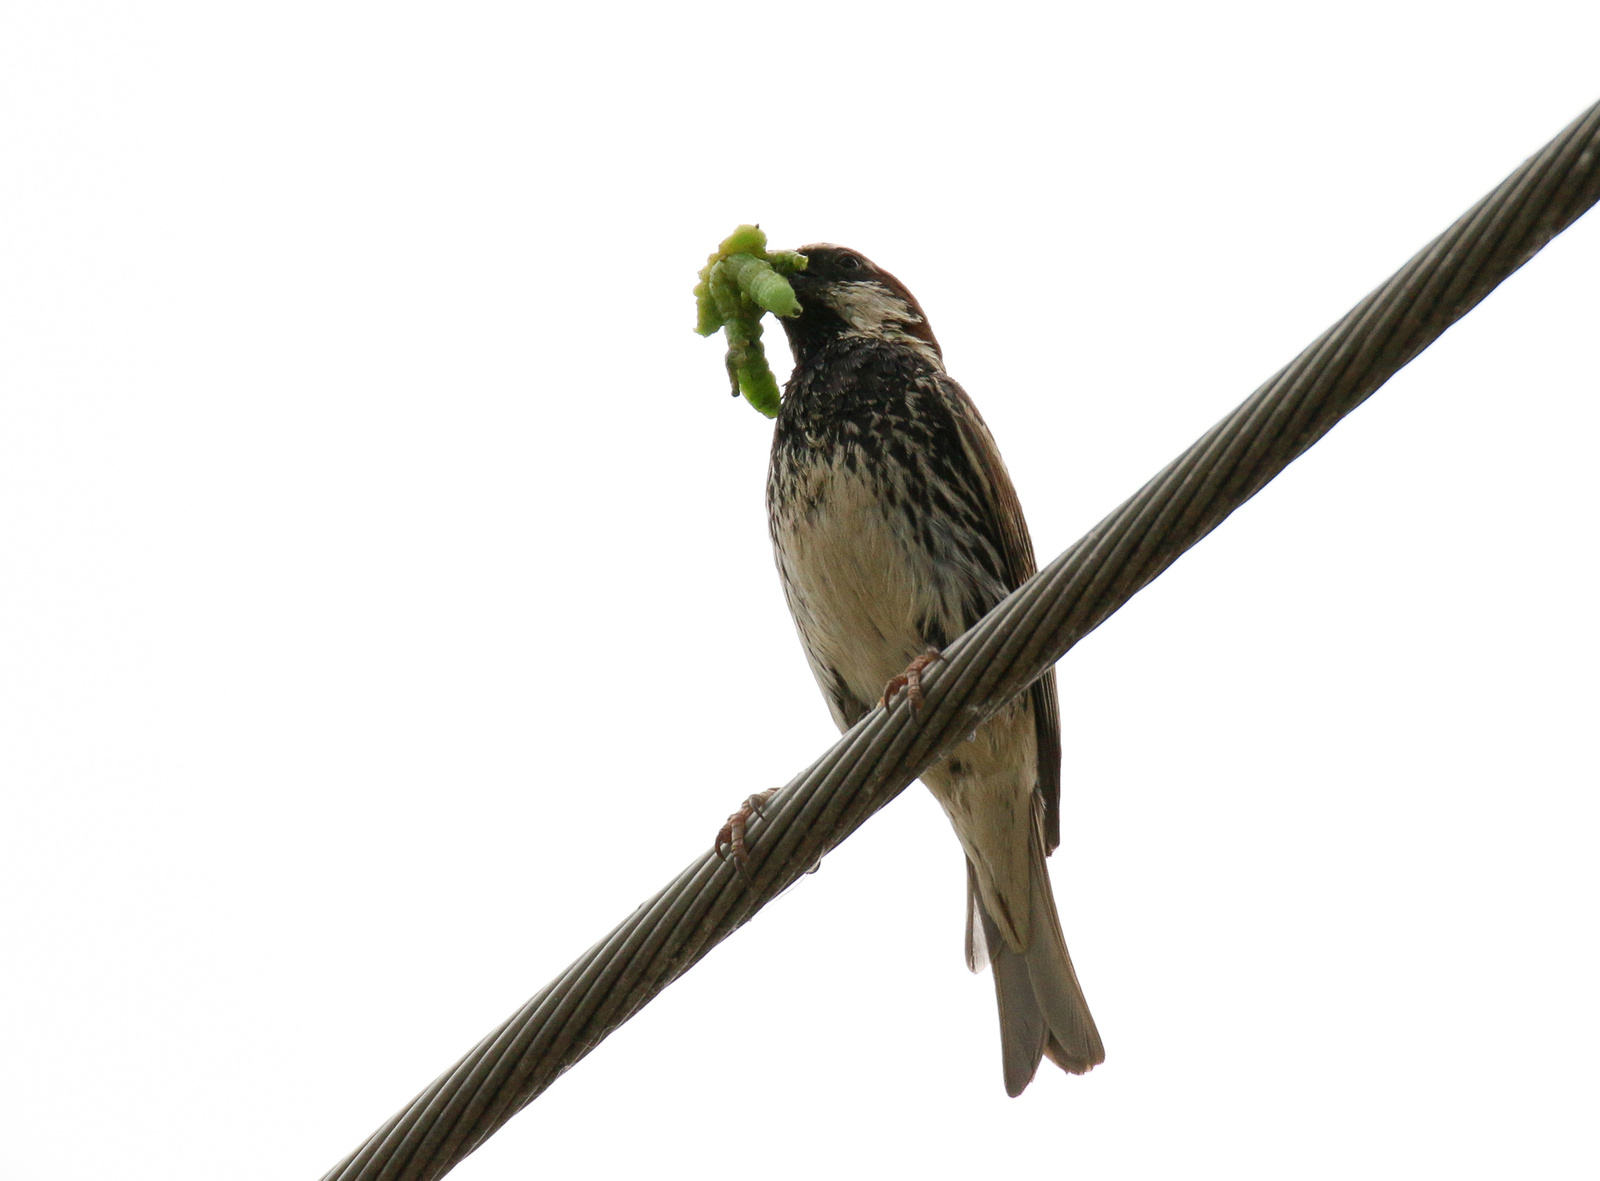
column 1016, row 548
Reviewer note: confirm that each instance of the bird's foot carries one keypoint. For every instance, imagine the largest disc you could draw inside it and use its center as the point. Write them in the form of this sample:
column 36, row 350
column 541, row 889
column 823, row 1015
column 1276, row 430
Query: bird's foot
column 730, row 836
column 911, row 679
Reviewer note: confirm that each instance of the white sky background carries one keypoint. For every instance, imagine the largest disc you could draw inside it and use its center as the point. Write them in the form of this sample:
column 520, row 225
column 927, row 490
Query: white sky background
column 386, row 604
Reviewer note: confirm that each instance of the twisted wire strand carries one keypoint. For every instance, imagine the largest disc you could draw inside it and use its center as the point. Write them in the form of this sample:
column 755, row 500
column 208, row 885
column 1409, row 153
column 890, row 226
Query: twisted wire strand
column 1004, row 653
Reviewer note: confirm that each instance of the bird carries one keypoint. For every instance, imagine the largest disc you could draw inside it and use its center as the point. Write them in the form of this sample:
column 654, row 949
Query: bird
column 896, row 527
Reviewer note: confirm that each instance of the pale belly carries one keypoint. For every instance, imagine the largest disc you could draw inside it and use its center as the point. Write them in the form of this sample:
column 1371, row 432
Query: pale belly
column 862, row 593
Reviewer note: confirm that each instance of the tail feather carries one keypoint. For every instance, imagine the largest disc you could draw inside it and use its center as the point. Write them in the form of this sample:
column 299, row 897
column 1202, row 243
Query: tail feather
column 1042, row 1008
column 1022, row 1029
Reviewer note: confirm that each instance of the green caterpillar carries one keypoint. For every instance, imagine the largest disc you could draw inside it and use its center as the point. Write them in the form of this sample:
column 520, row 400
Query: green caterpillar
column 741, row 282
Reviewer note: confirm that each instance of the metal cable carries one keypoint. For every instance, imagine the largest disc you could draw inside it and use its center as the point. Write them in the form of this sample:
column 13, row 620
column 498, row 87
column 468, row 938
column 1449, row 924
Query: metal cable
column 1007, row 650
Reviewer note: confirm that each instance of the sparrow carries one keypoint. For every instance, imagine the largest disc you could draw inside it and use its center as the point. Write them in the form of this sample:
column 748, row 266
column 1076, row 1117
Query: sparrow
column 896, row 528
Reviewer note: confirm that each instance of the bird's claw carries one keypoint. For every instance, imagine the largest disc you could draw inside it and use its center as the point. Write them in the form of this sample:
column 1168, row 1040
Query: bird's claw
column 911, row 680
column 731, row 835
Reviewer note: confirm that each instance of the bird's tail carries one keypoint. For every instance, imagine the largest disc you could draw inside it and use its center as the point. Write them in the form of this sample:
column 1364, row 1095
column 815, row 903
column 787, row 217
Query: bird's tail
column 1042, row 1008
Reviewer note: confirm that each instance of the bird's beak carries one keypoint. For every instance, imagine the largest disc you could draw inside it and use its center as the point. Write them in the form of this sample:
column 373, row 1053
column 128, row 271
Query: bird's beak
column 803, row 286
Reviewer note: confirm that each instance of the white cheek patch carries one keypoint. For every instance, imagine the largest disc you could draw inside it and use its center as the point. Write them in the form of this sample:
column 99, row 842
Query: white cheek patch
column 871, row 309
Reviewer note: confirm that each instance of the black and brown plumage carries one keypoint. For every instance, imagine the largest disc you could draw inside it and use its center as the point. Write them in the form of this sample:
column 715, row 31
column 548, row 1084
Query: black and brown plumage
column 896, row 527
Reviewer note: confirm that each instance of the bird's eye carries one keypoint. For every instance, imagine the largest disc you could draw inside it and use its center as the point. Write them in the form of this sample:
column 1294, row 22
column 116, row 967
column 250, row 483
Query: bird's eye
column 849, row 262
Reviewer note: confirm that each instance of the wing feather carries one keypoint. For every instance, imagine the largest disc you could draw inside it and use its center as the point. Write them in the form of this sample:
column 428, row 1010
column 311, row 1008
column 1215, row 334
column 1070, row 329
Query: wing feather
column 1010, row 527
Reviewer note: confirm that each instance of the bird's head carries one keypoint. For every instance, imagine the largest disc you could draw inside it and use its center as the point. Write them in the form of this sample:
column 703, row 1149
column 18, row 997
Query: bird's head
column 843, row 295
